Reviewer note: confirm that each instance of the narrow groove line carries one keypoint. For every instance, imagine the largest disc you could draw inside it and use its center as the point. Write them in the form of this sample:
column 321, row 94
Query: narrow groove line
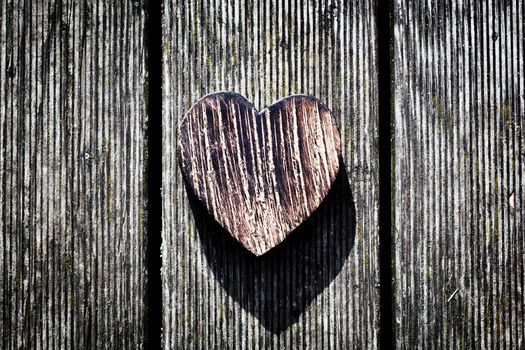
column 154, row 297
column 384, row 69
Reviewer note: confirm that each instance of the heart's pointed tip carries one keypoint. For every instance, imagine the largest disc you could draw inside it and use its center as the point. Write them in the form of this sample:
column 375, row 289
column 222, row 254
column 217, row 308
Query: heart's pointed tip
column 258, row 253
column 257, row 247
column 262, row 247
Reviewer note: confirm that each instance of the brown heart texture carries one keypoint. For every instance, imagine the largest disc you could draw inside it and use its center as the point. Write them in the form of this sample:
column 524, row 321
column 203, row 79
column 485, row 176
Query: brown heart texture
column 259, row 174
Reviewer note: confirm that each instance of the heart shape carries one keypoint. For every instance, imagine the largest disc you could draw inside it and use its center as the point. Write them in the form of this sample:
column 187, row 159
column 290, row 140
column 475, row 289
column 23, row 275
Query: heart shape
column 259, row 174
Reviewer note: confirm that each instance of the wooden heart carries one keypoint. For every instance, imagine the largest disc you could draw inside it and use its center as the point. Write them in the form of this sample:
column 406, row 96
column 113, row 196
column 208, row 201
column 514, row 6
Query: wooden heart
column 260, row 174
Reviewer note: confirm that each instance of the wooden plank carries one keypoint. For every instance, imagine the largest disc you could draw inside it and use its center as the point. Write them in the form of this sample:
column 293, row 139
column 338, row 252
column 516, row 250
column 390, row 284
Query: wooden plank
column 318, row 288
column 72, row 117
column 459, row 174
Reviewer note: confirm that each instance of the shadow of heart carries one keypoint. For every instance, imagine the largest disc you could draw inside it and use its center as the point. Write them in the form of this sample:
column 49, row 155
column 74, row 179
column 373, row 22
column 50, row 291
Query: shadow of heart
column 278, row 286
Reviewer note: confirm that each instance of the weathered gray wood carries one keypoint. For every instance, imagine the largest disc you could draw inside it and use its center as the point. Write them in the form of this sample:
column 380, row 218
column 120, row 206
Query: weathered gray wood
column 72, row 118
column 317, row 289
column 459, row 174
column 259, row 174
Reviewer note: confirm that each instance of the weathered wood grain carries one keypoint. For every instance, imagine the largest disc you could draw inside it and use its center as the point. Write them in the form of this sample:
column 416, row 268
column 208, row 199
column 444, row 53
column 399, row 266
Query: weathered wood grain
column 259, row 174
column 316, row 291
column 459, row 174
column 72, row 116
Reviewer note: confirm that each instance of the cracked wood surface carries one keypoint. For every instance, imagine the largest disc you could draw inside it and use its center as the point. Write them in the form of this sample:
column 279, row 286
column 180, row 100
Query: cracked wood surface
column 72, row 117
column 260, row 174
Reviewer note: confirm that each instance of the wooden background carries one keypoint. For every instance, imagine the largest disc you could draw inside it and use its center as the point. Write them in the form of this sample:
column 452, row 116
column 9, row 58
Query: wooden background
column 73, row 193
column 459, row 174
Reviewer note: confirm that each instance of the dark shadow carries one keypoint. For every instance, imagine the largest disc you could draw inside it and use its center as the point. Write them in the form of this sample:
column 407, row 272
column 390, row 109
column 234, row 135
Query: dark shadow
column 278, row 286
